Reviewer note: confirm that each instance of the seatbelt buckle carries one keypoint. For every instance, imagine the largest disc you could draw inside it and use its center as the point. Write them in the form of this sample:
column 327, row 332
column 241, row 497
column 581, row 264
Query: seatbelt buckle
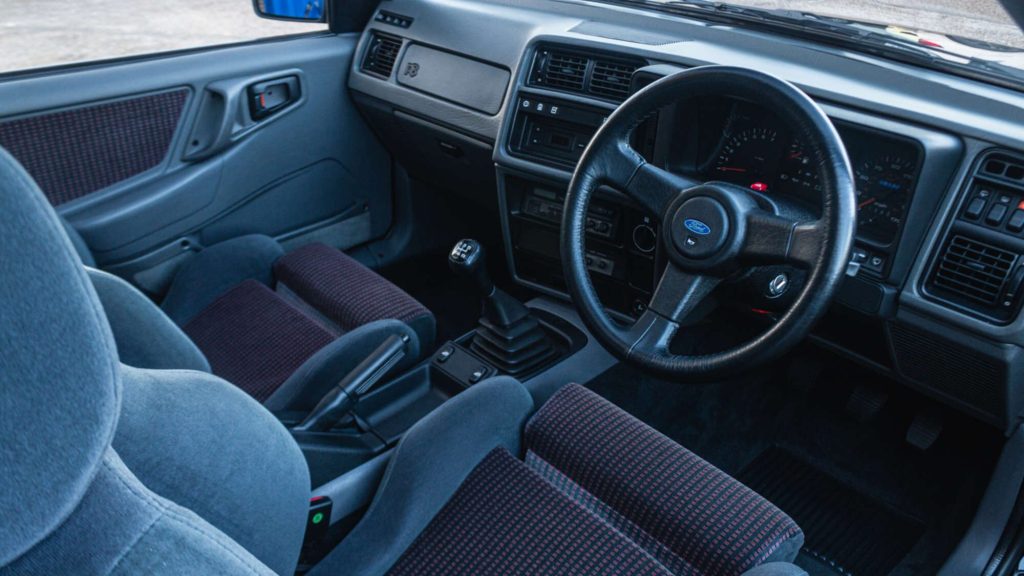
column 317, row 523
column 319, row 519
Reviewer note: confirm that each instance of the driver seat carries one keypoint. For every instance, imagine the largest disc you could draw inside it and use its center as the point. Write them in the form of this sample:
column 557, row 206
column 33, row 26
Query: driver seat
column 585, row 488
column 116, row 470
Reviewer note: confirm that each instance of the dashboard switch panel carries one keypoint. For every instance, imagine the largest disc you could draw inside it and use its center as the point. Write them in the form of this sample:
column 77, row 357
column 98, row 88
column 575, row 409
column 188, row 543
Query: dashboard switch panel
column 975, row 208
column 1016, row 222
column 553, row 131
column 996, row 214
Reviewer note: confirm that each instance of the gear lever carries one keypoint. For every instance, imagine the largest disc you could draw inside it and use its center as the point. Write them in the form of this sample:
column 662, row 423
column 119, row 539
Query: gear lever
column 508, row 335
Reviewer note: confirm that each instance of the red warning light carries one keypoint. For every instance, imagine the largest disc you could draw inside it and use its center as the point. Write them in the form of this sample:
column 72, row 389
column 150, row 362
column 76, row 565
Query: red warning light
column 759, row 187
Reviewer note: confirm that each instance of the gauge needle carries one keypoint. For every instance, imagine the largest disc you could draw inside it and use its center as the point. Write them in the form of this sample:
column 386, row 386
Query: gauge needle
column 731, row 169
column 867, row 202
column 794, row 155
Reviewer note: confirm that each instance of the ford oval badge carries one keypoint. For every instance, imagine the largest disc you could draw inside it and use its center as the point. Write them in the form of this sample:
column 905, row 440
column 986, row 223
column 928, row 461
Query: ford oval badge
column 697, row 227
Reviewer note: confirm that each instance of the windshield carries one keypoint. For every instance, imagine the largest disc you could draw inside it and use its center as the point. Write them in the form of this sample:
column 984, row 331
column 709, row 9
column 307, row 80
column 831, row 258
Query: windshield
column 969, row 34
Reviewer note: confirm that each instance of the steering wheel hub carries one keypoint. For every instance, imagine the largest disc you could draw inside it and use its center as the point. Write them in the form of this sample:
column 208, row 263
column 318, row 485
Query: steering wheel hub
column 700, row 227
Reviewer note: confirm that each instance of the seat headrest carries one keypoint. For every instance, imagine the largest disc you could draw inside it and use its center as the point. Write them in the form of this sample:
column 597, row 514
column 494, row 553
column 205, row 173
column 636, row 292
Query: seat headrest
column 59, row 379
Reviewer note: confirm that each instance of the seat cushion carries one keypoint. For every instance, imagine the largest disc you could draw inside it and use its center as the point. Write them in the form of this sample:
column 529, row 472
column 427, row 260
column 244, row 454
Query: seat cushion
column 254, row 339
column 348, row 293
column 506, row 519
column 683, row 510
column 600, row 492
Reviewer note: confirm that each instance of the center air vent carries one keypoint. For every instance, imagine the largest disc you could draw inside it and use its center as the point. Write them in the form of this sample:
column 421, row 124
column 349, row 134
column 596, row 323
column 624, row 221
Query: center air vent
column 978, row 276
column 381, row 54
column 611, row 79
column 565, row 71
column 606, row 77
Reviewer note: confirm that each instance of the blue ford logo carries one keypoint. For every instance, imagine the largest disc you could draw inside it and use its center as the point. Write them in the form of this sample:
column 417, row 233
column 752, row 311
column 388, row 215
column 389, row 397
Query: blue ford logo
column 697, row 227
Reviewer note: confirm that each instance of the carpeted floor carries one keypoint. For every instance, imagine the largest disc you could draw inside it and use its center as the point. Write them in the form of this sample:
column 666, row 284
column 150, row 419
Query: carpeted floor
column 870, row 503
column 846, row 531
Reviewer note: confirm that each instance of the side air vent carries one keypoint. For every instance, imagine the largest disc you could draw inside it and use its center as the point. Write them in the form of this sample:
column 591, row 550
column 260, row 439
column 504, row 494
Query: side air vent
column 979, row 266
column 611, row 79
column 605, row 77
column 974, row 270
column 381, row 54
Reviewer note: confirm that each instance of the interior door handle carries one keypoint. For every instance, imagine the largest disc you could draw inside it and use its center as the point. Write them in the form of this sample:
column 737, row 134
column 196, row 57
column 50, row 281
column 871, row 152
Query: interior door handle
column 232, row 109
column 268, row 97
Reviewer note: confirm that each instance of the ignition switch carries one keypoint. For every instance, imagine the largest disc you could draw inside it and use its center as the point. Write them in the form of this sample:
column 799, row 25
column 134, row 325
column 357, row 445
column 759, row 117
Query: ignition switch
column 778, row 285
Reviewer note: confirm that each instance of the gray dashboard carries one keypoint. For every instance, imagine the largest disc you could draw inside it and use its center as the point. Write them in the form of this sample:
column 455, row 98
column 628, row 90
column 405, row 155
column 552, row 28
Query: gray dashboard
column 968, row 361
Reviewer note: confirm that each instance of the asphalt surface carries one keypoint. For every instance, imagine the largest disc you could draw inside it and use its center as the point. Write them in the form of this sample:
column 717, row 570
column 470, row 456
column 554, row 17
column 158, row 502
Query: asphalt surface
column 36, row 33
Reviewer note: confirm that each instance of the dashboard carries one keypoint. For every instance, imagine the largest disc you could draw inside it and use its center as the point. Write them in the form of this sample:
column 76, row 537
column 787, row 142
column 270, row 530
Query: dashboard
column 938, row 162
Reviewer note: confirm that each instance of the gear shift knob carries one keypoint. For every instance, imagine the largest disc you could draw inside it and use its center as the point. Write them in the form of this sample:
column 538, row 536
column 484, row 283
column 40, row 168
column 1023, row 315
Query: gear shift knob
column 467, row 259
column 507, row 336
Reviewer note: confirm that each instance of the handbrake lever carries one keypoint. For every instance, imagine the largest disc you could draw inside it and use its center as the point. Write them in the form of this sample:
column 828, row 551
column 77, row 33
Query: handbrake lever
column 337, row 403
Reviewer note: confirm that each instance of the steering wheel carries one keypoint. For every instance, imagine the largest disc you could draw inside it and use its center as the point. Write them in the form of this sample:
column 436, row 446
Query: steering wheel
column 711, row 231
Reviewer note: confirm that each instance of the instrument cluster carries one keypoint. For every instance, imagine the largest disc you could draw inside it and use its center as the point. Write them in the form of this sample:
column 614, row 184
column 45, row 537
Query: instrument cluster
column 743, row 144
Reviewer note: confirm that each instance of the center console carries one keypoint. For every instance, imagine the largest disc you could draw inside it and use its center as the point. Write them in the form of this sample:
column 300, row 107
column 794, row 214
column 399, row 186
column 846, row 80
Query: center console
column 553, row 132
column 621, row 242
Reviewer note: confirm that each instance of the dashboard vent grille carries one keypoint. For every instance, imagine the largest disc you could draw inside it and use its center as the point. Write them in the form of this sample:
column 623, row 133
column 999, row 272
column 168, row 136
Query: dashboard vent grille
column 565, row 71
column 381, row 54
column 1003, row 167
column 605, row 77
column 611, row 79
column 974, row 270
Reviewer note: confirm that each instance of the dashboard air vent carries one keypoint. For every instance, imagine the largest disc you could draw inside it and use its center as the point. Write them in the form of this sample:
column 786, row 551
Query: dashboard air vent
column 611, row 79
column 1003, row 167
column 564, row 71
column 604, row 76
column 381, row 54
column 974, row 270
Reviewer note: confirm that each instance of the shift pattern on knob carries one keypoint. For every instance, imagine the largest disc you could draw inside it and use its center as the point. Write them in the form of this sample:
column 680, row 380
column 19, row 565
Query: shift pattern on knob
column 467, row 259
column 463, row 250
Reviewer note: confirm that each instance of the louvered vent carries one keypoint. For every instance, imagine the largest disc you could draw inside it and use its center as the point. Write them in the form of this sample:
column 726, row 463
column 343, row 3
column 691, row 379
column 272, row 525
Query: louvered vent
column 611, row 79
column 381, row 54
column 564, row 72
column 600, row 76
column 974, row 270
column 1003, row 167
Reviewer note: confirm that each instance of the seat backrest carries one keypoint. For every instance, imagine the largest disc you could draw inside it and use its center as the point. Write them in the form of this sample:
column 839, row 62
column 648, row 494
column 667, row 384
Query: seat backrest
column 681, row 509
column 68, row 502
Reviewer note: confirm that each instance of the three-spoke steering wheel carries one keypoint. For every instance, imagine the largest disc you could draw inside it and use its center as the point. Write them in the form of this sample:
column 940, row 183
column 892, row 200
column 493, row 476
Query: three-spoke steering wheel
column 712, row 230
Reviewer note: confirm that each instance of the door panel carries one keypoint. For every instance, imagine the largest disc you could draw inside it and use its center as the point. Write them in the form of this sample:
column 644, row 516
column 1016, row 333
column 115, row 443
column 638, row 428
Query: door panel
column 72, row 153
column 150, row 160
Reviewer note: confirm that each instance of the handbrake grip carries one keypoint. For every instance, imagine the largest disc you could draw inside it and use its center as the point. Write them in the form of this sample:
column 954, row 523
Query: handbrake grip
column 343, row 398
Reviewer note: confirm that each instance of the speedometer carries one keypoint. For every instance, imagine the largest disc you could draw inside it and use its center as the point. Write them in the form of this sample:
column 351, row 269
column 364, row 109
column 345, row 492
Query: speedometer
column 883, row 192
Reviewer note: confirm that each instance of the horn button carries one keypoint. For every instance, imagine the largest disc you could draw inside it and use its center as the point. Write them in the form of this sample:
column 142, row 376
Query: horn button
column 700, row 227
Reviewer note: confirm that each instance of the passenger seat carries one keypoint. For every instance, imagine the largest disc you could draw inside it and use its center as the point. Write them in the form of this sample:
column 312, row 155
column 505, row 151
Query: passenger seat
column 283, row 327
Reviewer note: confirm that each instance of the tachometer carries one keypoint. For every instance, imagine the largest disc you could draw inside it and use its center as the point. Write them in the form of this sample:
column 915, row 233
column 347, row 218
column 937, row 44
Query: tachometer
column 749, row 157
column 883, row 191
